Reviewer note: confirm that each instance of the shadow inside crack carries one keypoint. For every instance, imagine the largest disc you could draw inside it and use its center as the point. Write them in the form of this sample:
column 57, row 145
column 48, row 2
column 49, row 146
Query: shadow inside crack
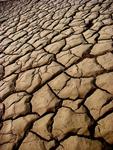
column 2, row 108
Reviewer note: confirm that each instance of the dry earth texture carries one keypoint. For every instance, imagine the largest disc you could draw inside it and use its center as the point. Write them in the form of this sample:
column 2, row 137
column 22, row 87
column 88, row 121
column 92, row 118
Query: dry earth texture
column 56, row 75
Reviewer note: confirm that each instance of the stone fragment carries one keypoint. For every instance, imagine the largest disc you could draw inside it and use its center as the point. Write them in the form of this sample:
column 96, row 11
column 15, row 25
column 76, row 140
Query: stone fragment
column 105, row 81
column 60, row 27
column 10, row 69
column 40, row 43
column 86, row 85
column 13, row 130
column 71, row 88
column 6, row 134
column 93, row 38
column 106, row 32
column 106, row 61
column 25, row 49
column 67, row 121
column 33, row 142
column 89, row 67
column 55, row 47
column 46, row 72
column 73, row 71
column 97, row 25
column 7, row 86
column 7, row 146
column 74, row 105
column 104, row 128
column 88, row 33
column 34, row 59
column 102, row 47
column 6, row 42
column 59, row 13
column 28, row 80
column 33, row 78
column 74, row 40
column 21, row 124
column 13, row 47
column 71, row 12
column 81, row 49
column 18, row 35
column 62, row 35
column 96, row 103
column 44, row 33
column 44, row 101
column 66, row 58
column 14, row 102
column 62, row 79
column 41, row 126
column 79, row 29
column 75, row 143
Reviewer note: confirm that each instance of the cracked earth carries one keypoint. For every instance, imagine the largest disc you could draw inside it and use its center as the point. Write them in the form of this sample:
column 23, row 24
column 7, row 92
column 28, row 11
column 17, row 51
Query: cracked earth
column 56, row 75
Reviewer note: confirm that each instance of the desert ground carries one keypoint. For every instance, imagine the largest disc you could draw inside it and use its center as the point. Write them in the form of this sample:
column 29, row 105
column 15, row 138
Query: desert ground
column 56, row 74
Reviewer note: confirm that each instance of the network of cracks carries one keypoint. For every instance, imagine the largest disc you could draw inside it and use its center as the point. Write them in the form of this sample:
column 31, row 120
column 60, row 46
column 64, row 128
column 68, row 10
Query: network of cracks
column 56, row 75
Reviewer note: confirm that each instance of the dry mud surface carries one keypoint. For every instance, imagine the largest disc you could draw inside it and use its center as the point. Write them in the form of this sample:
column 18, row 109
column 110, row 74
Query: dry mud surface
column 56, row 75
